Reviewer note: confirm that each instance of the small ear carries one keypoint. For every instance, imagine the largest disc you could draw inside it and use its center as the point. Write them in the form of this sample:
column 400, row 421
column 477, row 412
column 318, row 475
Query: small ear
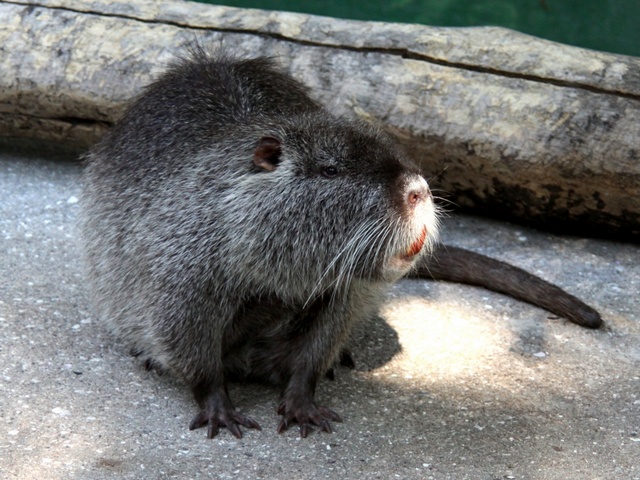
column 267, row 153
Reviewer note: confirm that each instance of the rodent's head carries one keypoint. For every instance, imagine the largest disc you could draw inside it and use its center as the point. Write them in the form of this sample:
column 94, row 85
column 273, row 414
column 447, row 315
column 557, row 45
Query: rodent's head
column 335, row 200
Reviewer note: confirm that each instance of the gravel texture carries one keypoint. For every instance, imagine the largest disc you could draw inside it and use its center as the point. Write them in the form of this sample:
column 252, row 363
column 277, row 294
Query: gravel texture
column 452, row 382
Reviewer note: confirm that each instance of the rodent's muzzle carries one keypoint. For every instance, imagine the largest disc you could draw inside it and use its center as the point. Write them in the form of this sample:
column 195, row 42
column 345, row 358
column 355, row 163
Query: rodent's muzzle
column 419, row 225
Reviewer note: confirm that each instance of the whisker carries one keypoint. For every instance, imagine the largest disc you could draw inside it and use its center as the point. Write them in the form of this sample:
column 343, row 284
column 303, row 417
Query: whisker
column 345, row 274
column 381, row 240
column 353, row 238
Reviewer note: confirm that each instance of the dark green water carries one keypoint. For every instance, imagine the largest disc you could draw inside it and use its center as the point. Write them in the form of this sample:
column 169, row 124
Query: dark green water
column 608, row 25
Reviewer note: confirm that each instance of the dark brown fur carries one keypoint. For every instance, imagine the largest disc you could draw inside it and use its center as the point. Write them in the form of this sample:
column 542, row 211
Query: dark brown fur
column 235, row 229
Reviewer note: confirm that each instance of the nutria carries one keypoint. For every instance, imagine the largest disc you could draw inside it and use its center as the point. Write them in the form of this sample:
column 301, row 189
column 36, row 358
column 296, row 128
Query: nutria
column 236, row 229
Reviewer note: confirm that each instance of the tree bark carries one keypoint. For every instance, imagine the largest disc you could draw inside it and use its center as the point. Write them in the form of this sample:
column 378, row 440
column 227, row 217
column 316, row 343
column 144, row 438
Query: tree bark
column 500, row 121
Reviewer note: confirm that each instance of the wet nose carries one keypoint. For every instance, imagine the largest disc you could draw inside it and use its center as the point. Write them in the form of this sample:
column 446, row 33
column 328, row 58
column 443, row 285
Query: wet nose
column 417, row 191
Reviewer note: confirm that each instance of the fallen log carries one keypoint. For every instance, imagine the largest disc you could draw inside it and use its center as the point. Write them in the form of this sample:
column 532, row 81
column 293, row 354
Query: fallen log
column 502, row 122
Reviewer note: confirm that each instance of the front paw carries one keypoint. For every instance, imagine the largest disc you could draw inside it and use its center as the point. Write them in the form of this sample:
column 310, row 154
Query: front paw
column 305, row 414
column 221, row 413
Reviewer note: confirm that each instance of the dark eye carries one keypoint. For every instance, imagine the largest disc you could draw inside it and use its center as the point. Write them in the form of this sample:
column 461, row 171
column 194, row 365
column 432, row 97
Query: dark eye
column 330, row 172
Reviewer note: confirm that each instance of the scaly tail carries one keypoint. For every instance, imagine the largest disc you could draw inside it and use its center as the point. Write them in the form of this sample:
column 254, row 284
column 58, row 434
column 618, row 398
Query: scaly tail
column 463, row 266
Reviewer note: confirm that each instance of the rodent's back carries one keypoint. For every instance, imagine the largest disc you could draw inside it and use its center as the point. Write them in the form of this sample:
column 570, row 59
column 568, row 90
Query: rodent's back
column 196, row 102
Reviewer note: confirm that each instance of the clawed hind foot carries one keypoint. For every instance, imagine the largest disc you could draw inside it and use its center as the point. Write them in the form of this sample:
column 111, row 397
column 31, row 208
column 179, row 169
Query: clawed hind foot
column 219, row 412
column 306, row 413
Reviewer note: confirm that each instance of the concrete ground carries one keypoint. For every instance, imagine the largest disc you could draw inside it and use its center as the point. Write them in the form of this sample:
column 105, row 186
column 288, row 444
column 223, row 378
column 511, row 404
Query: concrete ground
column 453, row 382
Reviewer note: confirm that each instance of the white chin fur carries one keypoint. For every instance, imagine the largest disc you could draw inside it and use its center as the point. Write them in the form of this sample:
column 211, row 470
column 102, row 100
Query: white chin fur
column 424, row 216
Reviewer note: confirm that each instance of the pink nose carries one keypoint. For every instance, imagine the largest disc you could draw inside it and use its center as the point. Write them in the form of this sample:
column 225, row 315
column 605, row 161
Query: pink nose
column 418, row 191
